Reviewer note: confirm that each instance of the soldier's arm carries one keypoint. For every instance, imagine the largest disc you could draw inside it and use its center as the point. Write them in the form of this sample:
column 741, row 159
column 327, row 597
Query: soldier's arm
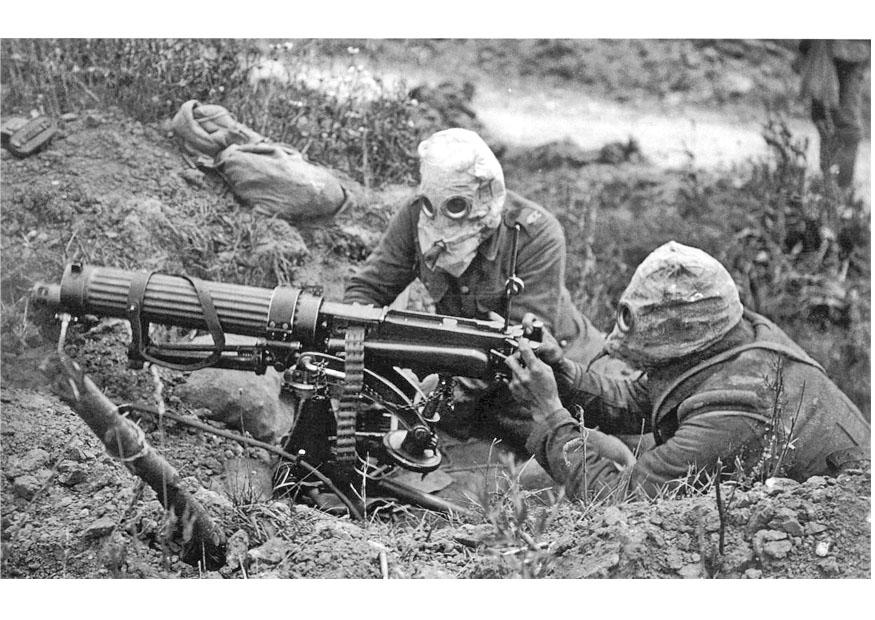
column 616, row 404
column 390, row 267
column 586, row 462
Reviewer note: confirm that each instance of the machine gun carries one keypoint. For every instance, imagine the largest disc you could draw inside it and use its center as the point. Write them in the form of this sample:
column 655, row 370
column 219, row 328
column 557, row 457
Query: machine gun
column 358, row 412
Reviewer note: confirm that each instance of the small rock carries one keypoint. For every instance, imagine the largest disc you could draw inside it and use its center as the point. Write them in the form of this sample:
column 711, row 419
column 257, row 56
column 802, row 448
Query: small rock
column 334, row 528
column 829, row 566
column 759, row 518
column 786, row 523
column 432, row 572
column 691, row 571
column 100, row 528
column 753, row 573
column 675, row 560
column 598, row 566
column 213, row 464
column 613, row 516
column 28, row 486
column 75, row 453
column 813, row 528
column 743, row 501
column 779, row 485
column 816, row 481
column 822, row 549
column 74, row 477
column 771, row 544
column 770, row 535
column 273, row 551
column 32, row 460
column 777, row 549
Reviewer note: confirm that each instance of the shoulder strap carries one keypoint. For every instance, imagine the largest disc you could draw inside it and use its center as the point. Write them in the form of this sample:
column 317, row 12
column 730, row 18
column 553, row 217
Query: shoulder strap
column 722, row 357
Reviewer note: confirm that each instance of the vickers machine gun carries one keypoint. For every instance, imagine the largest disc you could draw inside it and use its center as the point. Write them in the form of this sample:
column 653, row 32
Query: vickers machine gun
column 358, row 414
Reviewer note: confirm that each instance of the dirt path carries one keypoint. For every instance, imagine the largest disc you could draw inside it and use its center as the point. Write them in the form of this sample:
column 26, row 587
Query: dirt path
column 519, row 113
column 667, row 137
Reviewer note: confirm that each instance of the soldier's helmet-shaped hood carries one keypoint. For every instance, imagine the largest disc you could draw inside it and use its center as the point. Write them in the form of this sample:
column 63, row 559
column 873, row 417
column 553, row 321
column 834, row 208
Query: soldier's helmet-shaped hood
column 461, row 197
column 680, row 300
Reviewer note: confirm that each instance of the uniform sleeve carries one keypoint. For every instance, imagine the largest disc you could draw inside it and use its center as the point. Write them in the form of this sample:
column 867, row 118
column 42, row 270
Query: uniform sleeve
column 586, row 461
column 390, row 267
column 586, row 466
column 696, row 447
column 616, row 404
column 541, row 265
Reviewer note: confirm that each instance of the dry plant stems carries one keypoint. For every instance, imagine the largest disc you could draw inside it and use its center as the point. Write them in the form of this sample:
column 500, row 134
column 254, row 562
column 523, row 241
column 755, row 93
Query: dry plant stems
column 779, row 440
column 517, row 533
column 720, row 507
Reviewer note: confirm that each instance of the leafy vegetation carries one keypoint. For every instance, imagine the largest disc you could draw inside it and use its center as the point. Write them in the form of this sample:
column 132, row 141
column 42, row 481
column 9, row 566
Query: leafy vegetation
column 353, row 122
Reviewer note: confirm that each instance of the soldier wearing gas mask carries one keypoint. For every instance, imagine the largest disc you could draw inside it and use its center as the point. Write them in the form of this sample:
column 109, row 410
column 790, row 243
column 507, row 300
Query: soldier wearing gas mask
column 725, row 387
column 456, row 235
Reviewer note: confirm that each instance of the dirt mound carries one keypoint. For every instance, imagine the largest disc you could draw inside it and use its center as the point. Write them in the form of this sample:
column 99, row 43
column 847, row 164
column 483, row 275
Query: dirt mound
column 69, row 510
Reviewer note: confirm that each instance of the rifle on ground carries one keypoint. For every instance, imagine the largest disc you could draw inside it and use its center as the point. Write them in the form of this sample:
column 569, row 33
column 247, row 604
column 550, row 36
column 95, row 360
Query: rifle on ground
column 358, row 415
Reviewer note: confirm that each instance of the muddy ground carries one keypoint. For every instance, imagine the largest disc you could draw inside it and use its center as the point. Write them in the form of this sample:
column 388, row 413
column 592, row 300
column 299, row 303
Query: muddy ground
column 110, row 190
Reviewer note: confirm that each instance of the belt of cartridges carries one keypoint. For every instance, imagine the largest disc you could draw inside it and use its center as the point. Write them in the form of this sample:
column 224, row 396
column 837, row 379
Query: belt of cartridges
column 350, row 399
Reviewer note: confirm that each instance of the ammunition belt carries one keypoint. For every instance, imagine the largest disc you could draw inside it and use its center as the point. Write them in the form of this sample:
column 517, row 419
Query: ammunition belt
column 347, row 411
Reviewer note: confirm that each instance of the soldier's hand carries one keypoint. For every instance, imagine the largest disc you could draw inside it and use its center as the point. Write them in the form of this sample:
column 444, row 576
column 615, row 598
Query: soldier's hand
column 549, row 349
column 533, row 383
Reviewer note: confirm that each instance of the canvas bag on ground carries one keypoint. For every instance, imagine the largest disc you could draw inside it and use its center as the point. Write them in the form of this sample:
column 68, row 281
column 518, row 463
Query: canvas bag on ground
column 208, row 129
column 276, row 180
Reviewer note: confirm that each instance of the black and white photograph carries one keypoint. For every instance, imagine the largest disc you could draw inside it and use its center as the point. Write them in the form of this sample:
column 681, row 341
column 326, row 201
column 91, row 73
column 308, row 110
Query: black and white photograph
column 397, row 308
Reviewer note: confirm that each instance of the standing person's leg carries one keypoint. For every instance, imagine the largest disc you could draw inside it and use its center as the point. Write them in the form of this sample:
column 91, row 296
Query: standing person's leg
column 822, row 119
column 848, row 121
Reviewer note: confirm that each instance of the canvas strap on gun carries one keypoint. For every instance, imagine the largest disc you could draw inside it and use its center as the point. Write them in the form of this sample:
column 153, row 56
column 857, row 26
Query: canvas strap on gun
column 140, row 327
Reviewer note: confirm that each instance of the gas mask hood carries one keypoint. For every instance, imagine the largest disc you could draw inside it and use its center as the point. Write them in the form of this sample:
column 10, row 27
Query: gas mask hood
column 461, row 198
